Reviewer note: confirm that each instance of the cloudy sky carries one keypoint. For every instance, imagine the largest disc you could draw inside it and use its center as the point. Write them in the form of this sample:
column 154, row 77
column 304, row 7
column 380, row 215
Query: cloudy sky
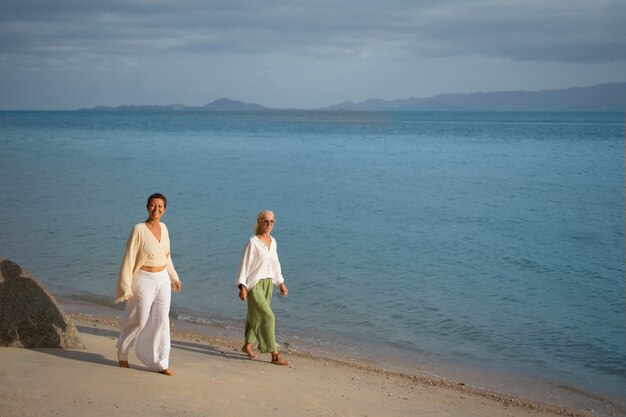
column 66, row 54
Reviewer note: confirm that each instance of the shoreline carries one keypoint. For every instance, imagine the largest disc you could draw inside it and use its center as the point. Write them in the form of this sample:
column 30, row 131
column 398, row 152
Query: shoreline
column 572, row 402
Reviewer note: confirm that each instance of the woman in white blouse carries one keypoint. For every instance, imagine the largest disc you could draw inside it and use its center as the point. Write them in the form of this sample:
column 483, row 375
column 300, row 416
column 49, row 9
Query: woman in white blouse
column 259, row 271
column 146, row 281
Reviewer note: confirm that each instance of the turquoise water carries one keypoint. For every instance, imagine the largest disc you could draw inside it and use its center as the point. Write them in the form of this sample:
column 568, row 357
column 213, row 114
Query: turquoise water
column 487, row 240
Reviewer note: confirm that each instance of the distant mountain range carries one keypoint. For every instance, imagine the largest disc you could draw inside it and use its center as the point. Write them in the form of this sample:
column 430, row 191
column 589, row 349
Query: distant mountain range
column 223, row 104
column 601, row 97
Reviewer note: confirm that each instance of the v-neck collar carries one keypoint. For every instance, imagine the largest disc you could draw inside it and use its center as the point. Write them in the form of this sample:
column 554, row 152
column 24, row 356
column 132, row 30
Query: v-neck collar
column 263, row 242
column 152, row 234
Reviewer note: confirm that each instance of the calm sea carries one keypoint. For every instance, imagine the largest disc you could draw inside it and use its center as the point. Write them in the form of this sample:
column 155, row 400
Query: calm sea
column 443, row 241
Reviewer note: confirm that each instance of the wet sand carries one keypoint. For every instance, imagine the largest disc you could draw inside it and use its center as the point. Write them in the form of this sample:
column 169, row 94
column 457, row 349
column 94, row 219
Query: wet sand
column 214, row 378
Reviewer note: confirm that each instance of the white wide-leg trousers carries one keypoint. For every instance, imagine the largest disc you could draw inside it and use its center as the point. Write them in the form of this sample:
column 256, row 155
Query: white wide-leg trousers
column 146, row 322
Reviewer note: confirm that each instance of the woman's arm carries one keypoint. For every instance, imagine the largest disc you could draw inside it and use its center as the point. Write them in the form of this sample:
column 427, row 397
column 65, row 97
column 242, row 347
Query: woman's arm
column 247, row 259
column 125, row 278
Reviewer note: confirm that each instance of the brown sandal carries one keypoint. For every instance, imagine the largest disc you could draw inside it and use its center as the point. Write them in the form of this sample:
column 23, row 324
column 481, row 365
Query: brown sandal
column 276, row 360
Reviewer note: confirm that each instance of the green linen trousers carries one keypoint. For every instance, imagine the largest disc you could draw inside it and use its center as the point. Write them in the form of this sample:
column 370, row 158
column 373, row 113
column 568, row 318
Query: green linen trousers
column 260, row 321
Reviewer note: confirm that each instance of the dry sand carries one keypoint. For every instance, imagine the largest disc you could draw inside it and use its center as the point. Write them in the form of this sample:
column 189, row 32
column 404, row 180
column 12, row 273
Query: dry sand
column 214, row 379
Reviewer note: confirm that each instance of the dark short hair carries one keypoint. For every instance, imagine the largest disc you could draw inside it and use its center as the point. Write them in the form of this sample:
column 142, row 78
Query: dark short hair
column 157, row 195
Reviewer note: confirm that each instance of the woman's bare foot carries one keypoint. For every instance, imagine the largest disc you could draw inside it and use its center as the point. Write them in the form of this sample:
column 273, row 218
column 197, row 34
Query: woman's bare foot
column 124, row 364
column 247, row 349
column 276, row 360
column 167, row 372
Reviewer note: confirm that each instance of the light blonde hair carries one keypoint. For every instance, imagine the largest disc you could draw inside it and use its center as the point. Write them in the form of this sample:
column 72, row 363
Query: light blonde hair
column 258, row 230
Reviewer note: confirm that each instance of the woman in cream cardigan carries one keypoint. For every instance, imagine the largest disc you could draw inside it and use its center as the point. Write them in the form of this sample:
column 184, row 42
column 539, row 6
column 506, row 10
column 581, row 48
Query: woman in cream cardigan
column 259, row 271
column 146, row 280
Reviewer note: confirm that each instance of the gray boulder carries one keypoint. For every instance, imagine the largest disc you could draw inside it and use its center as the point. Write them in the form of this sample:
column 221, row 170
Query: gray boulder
column 29, row 314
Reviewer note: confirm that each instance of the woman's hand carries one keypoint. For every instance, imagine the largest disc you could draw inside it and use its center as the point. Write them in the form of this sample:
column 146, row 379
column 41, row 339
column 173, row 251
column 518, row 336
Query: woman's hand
column 283, row 289
column 176, row 285
column 243, row 293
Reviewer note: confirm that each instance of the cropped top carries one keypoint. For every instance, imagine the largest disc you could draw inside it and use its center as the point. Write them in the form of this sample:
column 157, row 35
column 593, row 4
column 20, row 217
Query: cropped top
column 143, row 249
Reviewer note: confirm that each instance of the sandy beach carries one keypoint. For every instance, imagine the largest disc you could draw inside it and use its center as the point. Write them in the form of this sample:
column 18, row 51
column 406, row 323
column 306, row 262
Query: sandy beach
column 214, row 378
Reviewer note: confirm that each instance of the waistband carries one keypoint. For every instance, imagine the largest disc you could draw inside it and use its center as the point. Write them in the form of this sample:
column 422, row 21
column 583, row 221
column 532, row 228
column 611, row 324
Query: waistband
column 152, row 275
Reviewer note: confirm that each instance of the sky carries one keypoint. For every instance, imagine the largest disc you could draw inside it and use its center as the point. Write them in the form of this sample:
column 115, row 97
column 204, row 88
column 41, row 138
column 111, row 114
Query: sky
column 304, row 54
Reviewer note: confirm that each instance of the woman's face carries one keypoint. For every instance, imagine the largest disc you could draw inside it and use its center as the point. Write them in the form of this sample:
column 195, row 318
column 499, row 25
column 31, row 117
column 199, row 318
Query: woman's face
column 267, row 222
column 156, row 209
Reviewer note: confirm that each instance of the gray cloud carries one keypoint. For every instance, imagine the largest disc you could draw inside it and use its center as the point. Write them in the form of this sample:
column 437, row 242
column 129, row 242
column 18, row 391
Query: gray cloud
column 298, row 53
column 544, row 31
column 75, row 31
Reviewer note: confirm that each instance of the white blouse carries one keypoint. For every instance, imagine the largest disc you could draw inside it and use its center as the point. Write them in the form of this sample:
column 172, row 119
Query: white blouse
column 259, row 262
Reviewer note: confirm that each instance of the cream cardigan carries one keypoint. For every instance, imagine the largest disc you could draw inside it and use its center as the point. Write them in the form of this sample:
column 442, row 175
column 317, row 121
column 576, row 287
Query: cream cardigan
column 143, row 249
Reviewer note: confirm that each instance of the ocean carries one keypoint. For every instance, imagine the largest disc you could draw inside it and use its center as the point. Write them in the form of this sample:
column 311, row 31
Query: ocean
column 483, row 246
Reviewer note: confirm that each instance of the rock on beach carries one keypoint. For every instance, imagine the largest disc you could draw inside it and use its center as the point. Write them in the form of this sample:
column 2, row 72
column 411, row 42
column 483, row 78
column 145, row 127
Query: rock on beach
column 29, row 315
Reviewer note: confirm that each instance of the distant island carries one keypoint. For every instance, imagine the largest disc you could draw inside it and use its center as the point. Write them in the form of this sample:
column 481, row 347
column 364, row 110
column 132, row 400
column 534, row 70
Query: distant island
column 601, row 97
column 222, row 104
